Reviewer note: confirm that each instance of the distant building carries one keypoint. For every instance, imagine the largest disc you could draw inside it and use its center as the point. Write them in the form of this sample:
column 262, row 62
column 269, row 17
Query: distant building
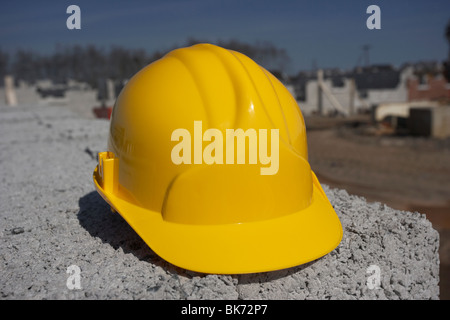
column 428, row 83
column 380, row 84
column 373, row 85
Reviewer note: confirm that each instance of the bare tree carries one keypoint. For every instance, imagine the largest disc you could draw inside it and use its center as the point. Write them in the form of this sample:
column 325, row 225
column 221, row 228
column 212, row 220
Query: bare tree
column 91, row 64
column 265, row 53
column 447, row 63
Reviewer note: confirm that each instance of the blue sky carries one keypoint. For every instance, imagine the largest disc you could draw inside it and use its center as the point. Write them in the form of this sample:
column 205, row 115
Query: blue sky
column 329, row 32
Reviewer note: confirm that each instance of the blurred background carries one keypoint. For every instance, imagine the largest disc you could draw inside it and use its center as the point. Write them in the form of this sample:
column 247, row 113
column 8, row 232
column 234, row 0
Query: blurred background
column 376, row 102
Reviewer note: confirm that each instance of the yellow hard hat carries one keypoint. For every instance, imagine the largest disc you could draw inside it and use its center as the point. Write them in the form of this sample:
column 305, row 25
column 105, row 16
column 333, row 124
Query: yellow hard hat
column 190, row 168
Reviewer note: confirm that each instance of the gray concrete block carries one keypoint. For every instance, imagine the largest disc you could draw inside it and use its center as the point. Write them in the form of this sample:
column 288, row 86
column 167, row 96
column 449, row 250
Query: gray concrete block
column 52, row 218
column 441, row 122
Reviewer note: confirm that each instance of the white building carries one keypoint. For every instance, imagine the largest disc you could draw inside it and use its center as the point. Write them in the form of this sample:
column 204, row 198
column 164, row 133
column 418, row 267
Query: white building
column 372, row 87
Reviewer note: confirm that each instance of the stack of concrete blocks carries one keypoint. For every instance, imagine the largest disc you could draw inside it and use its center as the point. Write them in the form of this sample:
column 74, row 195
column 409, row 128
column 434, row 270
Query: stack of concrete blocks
column 106, row 92
column 10, row 92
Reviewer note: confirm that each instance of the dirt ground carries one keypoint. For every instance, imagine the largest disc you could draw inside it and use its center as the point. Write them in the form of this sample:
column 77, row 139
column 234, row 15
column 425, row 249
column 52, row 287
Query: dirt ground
column 406, row 173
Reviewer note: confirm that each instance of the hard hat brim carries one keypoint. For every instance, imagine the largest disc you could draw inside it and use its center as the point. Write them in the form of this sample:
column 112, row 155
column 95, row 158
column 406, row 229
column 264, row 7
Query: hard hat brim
column 250, row 247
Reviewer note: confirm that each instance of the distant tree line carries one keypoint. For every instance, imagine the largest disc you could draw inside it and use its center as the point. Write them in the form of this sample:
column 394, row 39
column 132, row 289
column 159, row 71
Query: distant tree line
column 90, row 63
column 447, row 63
column 265, row 53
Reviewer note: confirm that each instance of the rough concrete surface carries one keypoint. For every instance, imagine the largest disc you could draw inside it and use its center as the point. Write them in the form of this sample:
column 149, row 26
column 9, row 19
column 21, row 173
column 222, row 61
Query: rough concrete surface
column 52, row 218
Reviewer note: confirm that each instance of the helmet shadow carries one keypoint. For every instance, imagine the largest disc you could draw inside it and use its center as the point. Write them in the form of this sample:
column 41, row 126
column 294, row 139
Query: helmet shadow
column 96, row 217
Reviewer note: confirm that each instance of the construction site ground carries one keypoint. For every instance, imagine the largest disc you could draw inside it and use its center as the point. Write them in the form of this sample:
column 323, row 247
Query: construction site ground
column 404, row 172
column 53, row 220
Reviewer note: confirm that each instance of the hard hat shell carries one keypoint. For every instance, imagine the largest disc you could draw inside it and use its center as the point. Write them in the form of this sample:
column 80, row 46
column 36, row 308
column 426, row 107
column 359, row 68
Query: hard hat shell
column 220, row 217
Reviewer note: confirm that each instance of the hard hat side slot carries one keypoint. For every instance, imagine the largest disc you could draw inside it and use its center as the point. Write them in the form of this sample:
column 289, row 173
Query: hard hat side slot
column 108, row 170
